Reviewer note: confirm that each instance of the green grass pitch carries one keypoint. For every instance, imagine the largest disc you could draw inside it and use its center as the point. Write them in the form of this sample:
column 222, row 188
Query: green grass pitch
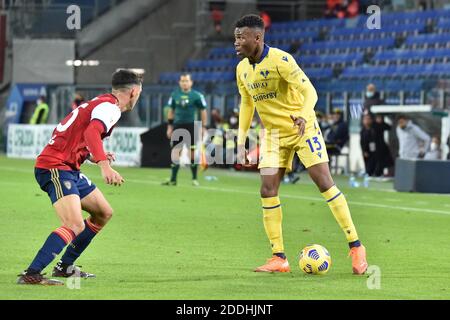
column 203, row 243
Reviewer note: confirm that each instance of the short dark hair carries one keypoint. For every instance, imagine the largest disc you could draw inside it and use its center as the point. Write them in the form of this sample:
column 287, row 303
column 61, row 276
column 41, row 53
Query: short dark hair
column 250, row 21
column 185, row 74
column 124, row 78
column 402, row 116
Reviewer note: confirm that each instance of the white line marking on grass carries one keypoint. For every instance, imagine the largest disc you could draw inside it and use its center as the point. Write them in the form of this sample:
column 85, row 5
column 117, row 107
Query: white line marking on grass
column 316, row 199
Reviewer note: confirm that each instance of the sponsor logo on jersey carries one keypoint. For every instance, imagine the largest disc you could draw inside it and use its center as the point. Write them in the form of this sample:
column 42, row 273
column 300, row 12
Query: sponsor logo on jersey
column 257, row 85
column 264, row 96
column 264, row 73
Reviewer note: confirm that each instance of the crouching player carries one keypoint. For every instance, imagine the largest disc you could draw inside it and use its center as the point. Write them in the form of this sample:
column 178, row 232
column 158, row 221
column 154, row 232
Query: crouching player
column 78, row 138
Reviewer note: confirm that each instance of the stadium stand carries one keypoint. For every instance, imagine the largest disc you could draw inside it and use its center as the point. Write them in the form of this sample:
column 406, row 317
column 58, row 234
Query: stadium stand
column 348, row 49
column 338, row 53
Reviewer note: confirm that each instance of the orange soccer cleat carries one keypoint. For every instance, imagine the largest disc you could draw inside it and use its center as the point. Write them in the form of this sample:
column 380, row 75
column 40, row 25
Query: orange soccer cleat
column 359, row 262
column 275, row 264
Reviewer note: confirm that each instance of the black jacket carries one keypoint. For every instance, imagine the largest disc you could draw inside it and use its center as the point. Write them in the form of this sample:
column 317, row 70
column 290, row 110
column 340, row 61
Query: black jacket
column 369, row 102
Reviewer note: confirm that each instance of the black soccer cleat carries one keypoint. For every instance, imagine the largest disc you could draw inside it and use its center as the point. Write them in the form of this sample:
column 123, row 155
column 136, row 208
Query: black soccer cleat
column 37, row 279
column 65, row 271
column 169, row 183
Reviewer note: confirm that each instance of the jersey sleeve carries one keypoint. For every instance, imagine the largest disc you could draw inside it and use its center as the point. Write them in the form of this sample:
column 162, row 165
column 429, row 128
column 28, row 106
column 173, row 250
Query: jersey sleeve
column 201, row 101
column 171, row 102
column 246, row 110
column 107, row 113
column 294, row 75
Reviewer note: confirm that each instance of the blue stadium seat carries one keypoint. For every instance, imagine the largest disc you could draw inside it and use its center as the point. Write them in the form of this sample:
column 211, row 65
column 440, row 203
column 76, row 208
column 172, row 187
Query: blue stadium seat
column 428, row 40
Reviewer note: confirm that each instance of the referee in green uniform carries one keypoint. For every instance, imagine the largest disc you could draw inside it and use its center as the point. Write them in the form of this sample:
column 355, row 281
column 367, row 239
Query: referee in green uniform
column 184, row 104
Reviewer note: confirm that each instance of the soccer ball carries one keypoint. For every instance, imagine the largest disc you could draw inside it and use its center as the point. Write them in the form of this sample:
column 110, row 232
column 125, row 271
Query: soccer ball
column 315, row 259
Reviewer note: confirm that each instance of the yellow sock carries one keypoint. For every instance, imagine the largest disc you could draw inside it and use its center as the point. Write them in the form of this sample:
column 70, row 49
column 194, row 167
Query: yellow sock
column 272, row 223
column 338, row 205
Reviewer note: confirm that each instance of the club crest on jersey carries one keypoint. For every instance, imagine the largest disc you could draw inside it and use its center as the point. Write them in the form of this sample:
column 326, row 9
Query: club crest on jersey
column 264, row 73
column 68, row 185
column 285, row 58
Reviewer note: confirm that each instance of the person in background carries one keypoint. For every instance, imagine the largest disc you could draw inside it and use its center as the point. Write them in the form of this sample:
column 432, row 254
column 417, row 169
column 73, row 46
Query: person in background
column 40, row 114
column 372, row 98
column 323, row 122
column 267, row 20
column 185, row 103
column 77, row 101
column 375, row 150
column 352, row 9
column 338, row 134
column 413, row 141
column 333, row 6
column 216, row 147
column 230, row 134
column 435, row 152
column 217, row 17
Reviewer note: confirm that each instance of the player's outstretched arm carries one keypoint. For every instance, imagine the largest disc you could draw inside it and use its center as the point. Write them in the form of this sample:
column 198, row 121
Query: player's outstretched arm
column 93, row 139
column 110, row 176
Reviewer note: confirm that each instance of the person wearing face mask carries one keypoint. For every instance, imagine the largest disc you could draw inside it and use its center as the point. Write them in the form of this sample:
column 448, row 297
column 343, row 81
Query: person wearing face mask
column 40, row 114
column 413, row 141
column 435, row 152
column 371, row 98
column 376, row 153
column 338, row 135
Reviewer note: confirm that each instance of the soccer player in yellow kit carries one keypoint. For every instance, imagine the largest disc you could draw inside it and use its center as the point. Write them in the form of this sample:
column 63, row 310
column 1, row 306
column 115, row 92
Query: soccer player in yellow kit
column 270, row 80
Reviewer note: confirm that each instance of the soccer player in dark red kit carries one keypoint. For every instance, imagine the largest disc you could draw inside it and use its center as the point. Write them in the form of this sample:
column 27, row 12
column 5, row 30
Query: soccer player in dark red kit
column 78, row 138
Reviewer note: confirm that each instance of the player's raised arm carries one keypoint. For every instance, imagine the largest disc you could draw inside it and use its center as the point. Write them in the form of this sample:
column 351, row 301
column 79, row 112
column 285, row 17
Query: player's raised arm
column 294, row 75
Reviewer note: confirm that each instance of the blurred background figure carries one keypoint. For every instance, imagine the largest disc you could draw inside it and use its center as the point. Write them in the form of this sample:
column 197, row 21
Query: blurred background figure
column 352, row 9
column 77, row 101
column 333, row 7
column 371, row 98
column 267, row 20
column 376, row 153
column 435, row 152
column 337, row 136
column 216, row 148
column 230, row 134
column 322, row 119
column 217, row 17
column 413, row 141
column 40, row 114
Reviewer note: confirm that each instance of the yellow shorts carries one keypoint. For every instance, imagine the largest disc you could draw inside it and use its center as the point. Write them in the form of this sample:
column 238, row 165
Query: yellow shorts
column 279, row 152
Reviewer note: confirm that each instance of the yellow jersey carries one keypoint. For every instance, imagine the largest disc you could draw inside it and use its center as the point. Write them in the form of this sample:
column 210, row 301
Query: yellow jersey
column 277, row 88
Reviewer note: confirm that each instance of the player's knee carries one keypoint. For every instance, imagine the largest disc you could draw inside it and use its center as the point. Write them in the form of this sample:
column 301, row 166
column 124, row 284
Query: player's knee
column 268, row 191
column 76, row 227
column 324, row 183
column 107, row 213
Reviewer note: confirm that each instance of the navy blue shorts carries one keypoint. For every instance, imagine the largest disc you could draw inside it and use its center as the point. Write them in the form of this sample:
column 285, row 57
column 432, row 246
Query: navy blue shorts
column 59, row 183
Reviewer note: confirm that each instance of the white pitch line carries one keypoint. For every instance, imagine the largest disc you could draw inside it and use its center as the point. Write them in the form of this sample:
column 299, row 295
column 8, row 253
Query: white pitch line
column 316, row 199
